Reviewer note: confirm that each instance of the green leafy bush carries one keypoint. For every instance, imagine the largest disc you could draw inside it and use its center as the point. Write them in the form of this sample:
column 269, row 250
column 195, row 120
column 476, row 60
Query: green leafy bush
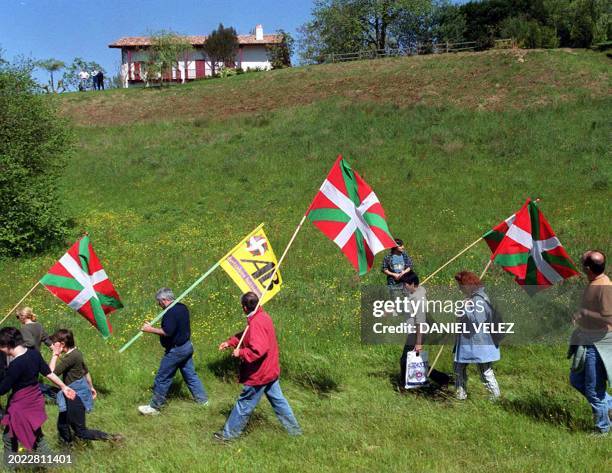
column 227, row 72
column 34, row 143
column 529, row 33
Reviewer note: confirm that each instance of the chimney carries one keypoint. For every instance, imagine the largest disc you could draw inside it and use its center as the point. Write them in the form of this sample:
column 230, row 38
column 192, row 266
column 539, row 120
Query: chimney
column 259, row 33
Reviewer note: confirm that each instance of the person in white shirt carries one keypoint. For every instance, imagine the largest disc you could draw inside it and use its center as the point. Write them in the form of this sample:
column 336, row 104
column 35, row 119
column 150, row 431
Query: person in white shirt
column 84, row 77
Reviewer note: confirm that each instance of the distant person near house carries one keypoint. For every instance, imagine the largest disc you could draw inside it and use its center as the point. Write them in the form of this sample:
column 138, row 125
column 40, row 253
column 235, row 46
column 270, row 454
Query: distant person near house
column 394, row 266
column 100, row 80
column 83, row 79
column 591, row 343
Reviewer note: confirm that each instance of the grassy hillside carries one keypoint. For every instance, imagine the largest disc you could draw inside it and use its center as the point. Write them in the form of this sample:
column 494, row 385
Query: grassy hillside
column 167, row 181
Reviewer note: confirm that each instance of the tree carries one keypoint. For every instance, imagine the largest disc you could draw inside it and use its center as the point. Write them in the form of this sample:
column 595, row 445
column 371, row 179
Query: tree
column 51, row 65
column 166, row 50
column 71, row 77
column 590, row 22
column 529, row 33
column 430, row 22
column 279, row 54
column 221, row 46
column 547, row 23
column 34, row 144
column 341, row 26
column 449, row 22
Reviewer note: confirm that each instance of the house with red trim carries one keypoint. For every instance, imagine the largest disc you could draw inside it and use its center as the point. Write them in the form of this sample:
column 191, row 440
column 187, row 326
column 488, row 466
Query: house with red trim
column 252, row 53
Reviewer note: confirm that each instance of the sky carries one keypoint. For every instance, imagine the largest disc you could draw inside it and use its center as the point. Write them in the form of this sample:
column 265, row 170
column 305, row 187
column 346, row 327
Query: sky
column 65, row 29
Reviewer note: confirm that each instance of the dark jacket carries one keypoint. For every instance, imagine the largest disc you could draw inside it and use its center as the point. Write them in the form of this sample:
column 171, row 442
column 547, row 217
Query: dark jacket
column 175, row 323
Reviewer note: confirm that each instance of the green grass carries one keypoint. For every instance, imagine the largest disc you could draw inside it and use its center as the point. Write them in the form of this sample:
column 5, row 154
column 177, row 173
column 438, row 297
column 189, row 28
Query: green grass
column 164, row 196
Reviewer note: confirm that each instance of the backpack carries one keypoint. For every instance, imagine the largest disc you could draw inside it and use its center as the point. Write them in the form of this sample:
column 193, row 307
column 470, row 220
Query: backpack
column 496, row 323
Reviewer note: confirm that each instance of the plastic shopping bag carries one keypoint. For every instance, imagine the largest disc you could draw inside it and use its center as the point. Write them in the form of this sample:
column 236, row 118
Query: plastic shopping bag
column 416, row 370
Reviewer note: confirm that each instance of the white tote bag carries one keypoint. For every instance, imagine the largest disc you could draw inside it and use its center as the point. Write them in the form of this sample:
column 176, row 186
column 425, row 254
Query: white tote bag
column 416, row 370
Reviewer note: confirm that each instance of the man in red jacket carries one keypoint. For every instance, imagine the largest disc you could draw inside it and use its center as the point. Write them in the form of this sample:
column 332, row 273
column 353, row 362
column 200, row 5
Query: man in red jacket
column 259, row 371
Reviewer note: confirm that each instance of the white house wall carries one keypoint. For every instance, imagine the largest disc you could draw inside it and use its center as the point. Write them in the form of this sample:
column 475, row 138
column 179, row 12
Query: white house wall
column 255, row 56
column 250, row 56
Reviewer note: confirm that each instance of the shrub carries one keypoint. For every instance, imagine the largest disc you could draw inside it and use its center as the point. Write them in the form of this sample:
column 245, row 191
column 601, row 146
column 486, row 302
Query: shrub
column 529, row 33
column 227, row 72
column 34, row 143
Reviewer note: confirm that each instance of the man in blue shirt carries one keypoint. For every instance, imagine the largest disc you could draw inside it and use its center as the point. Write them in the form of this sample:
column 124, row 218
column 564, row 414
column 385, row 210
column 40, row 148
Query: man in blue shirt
column 174, row 336
column 395, row 265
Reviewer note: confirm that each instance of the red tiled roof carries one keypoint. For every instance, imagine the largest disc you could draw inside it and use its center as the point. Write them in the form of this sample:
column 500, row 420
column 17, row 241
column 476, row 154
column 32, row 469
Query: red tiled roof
column 143, row 41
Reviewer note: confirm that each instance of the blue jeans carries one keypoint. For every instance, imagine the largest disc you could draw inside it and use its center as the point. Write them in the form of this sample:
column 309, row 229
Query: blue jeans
column 591, row 382
column 246, row 403
column 177, row 358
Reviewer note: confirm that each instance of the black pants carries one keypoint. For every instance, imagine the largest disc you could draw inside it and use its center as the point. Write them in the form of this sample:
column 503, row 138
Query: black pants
column 73, row 420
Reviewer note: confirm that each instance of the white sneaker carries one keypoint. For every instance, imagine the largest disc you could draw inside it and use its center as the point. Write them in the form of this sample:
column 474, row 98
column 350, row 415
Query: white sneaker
column 148, row 410
column 461, row 394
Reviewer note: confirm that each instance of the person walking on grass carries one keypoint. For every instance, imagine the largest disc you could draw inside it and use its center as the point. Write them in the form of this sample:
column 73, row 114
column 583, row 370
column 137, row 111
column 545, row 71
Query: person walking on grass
column 418, row 299
column 67, row 361
column 259, row 372
column 34, row 336
column 174, row 336
column 591, row 343
column 25, row 413
column 32, row 331
column 472, row 347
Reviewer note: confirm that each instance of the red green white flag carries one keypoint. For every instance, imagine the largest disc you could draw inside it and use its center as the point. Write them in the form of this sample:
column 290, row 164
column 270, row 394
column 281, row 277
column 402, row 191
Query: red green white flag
column 347, row 211
column 495, row 236
column 79, row 280
column 530, row 249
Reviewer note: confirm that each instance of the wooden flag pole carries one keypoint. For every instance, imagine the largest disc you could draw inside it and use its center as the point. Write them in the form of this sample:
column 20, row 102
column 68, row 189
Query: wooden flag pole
column 18, row 303
column 280, row 261
column 484, row 271
column 435, row 360
column 187, row 291
column 450, row 261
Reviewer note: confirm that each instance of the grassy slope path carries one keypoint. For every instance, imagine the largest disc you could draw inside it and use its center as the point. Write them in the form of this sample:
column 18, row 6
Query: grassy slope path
column 166, row 181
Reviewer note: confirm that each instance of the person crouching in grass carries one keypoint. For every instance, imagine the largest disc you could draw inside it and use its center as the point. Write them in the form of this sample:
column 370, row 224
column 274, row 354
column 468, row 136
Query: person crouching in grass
column 25, row 413
column 259, row 372
column 71, row 366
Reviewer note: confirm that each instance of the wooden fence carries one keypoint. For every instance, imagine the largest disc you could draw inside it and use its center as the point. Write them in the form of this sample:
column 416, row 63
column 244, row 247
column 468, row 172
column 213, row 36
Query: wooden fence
column 417, row 49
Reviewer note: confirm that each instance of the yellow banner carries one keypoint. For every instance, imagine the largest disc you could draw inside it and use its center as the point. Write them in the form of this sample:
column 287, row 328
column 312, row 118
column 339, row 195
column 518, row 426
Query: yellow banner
column 251, row 264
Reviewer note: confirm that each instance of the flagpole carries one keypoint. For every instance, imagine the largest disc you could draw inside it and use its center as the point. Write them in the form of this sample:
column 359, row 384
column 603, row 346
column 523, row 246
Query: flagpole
column 21, row 300
column 484, row 271
column 435, row 360
column 280, row 261
column 187, row 291
column 450, row 260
